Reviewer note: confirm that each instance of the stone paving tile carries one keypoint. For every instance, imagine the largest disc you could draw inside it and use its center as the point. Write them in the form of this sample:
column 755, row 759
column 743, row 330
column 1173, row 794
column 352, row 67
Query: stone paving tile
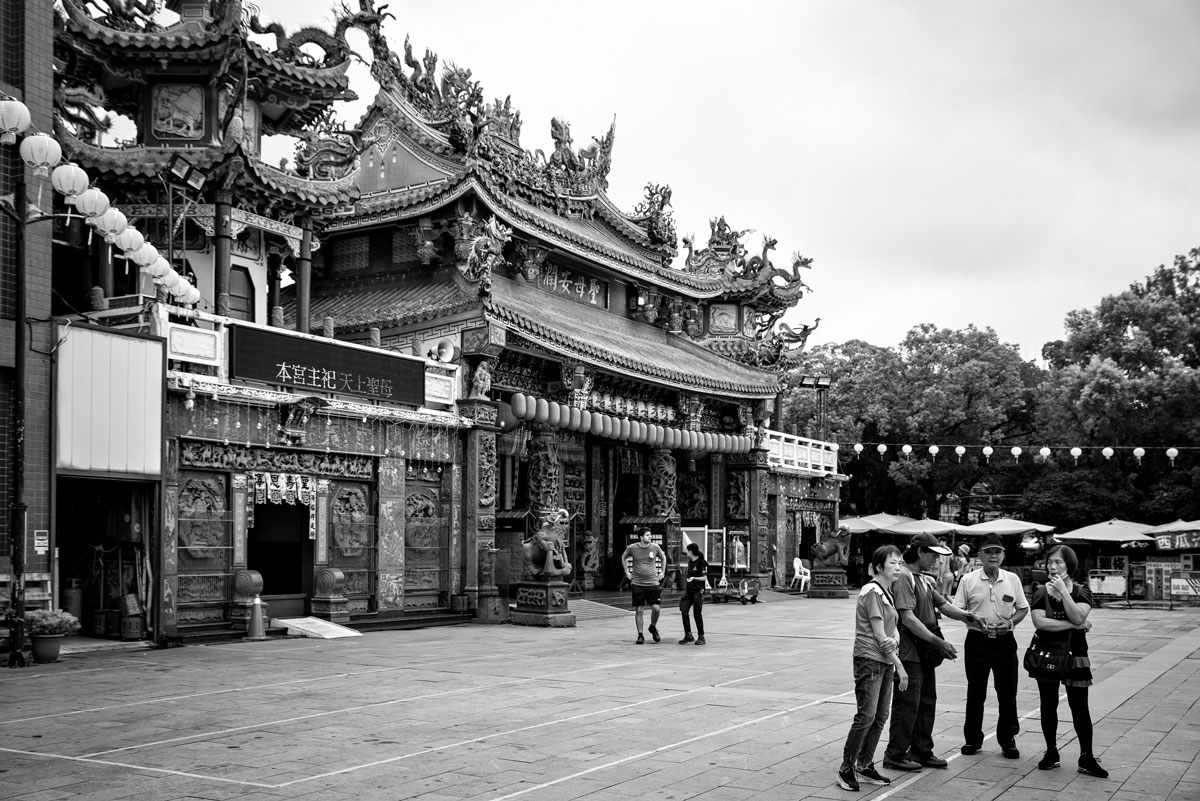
column 539, row 715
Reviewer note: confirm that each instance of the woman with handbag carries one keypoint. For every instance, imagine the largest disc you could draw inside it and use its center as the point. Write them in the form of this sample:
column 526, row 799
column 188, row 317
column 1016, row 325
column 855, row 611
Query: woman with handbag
column 876, row 665
column 1060, row 615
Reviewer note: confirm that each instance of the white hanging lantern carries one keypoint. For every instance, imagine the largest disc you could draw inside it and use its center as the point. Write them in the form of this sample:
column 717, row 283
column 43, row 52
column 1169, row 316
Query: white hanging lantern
column 111, row 223
column 179, row 290
column 987, row 453
column 14, row 118
column 1016, row 452
column 960, row 450
column 144, row 256
column 1138, row 453
column 1108, row 453
column 41, row 151
column 171, row 279
column 91, row 203
column 934, row 450
column 1172, row 453
column 1044, row 453
column 193, row 296
column 158, row 268
column 130, row 240
column 858, row 448
column 69, row 180
column 881, row 448
column 907, row 450
column 1076, row 453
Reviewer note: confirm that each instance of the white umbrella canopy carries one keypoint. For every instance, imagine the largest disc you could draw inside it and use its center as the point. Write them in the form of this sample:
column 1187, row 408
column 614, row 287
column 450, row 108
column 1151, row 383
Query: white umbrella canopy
column 867, row 523
column 1006, row 525
column 1178, row 527
column 1109, row 531
column 937, row 528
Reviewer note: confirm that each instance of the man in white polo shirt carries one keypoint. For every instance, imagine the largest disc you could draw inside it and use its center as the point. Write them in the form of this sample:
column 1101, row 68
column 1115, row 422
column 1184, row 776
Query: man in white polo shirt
column 997, row 600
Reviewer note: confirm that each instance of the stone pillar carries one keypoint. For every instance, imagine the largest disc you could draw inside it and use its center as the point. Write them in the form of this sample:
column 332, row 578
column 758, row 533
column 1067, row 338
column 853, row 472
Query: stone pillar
column 168, row 567
column 542, row 601
column 759, row 547
column 490, row 607
column 390, row 567
column 274, row 281
column 222, row 247
column 480, row 487
column 104, row 266
column 304, row 277
column 240, row 486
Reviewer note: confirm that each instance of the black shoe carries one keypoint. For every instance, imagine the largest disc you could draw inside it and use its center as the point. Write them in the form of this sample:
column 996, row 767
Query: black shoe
column 1050, row 760
column 640, row 639
column 700, row 640
column 654, row 634
column 970, row 750
column 931, row 761
column 1011, row 751
column 1089, row 765
column 906, row 765
column 847, row 781
column 687, row 638
column 872, row 776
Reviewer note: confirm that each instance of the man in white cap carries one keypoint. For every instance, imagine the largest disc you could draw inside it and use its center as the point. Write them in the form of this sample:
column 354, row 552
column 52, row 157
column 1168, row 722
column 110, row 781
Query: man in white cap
column 922, row 649
column 998, row 601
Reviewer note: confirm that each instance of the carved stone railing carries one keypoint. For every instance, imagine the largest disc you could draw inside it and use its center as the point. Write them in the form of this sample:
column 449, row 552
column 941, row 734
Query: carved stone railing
column 790, row 452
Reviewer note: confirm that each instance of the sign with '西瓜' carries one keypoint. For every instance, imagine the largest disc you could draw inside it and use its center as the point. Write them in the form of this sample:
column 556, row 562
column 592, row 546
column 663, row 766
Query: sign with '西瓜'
column 305, row 364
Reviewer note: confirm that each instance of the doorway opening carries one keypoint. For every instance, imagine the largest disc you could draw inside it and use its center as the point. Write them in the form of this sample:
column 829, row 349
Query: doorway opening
column 278, row 547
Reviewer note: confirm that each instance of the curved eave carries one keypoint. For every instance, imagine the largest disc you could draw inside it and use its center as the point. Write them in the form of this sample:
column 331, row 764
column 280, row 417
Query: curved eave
column 626, row 347
column 418, row 201
column 315, row 193
column 333, row 79
column 178, row 37
column 132, row 161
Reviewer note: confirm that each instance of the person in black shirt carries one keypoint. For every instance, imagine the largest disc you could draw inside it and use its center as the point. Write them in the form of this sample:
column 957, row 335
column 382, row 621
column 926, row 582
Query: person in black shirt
column 693, row 595
column 1060, row 611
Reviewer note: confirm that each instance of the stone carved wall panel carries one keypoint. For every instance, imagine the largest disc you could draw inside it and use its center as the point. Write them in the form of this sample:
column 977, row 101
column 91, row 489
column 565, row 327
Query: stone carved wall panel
column 662, row 483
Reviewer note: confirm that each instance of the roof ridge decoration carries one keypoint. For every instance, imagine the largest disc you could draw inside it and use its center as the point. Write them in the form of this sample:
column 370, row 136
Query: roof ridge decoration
column 486, row 250
column 328, row 150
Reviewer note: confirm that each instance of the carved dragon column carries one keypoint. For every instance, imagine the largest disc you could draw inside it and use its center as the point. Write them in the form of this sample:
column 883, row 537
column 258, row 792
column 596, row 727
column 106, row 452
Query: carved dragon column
column 222, row 247
column 663, row 502
column 481, row 346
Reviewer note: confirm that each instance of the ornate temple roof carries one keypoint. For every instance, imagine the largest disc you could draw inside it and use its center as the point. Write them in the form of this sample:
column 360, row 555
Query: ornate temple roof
column 606, row 341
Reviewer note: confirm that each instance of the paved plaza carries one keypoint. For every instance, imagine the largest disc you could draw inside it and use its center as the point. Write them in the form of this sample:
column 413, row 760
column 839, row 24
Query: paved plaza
column 506, row 712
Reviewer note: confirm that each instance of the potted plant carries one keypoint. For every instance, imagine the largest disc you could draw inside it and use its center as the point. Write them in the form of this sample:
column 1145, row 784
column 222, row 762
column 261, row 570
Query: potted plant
column 46, row 628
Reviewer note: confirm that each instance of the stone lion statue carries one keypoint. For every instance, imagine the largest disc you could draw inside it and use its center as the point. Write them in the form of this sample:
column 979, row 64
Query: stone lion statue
column 832, row 549
column 545, row 552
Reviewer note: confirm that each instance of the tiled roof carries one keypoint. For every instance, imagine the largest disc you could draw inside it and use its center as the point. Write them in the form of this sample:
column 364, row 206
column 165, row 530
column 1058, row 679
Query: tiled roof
column 179, row 36
column 386, row 302
column 615, row 343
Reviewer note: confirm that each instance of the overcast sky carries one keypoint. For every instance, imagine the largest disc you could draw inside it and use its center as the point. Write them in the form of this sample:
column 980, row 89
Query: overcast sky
column 997, row 163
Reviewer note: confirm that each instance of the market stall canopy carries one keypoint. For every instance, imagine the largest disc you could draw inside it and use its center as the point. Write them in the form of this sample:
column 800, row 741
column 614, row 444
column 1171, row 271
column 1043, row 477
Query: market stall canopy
column 1006, row 525
column 1178, row 527
column 937, row 528
column 1110, row 531
column 868, row 523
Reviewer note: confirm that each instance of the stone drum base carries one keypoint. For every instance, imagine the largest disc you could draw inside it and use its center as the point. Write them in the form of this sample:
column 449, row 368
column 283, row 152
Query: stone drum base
column 828, row 582
column 541, row 603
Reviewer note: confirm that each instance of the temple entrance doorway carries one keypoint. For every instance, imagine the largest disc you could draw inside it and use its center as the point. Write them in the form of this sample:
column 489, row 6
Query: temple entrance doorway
column 278, row 547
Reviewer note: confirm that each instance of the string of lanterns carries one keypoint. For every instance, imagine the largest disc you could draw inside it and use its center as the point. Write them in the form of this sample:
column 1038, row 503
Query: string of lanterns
column 43, row 153
column 540, row 410
column 1045, row 452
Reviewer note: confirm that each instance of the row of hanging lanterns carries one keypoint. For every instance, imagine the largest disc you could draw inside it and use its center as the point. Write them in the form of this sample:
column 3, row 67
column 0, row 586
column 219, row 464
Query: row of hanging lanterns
column 988, row 451
column 43, row 153
column 540, row 410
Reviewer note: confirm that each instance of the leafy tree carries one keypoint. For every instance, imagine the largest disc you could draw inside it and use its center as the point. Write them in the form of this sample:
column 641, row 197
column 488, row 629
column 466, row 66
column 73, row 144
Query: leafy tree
column 940, row 386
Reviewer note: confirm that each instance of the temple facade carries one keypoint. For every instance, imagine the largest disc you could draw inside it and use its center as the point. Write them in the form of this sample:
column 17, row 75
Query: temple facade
column 405, row 375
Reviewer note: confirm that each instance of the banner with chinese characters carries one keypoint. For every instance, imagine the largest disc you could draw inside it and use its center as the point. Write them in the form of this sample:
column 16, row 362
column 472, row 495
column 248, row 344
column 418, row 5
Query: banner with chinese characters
column 305, row 364
column 576, row 286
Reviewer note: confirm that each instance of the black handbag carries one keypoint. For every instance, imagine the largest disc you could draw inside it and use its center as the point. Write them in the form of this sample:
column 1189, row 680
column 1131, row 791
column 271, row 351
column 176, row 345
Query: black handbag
column 1047, row 658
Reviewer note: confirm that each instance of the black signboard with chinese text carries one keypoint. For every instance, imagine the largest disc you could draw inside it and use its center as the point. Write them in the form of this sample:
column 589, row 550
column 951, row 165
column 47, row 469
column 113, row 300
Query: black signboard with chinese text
column 305, row 364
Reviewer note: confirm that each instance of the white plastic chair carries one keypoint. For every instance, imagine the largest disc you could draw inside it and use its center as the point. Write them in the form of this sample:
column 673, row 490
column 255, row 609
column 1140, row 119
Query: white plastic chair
column 802, row 575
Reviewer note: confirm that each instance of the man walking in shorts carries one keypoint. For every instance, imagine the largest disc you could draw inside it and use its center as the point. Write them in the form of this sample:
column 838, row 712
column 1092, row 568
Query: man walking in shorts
column 645, row 567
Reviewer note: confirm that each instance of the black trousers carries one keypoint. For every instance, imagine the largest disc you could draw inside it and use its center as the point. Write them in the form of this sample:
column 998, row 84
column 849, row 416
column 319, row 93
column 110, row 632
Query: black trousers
column 695, row 602
column 996, row 656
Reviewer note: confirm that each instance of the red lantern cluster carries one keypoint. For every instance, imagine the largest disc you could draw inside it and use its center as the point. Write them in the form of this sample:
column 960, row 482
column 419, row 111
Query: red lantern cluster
column 540, row 410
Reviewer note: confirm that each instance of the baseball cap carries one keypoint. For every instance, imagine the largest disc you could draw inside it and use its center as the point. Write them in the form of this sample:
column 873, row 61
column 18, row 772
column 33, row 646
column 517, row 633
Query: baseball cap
column 928, row 541
column 991, row 541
